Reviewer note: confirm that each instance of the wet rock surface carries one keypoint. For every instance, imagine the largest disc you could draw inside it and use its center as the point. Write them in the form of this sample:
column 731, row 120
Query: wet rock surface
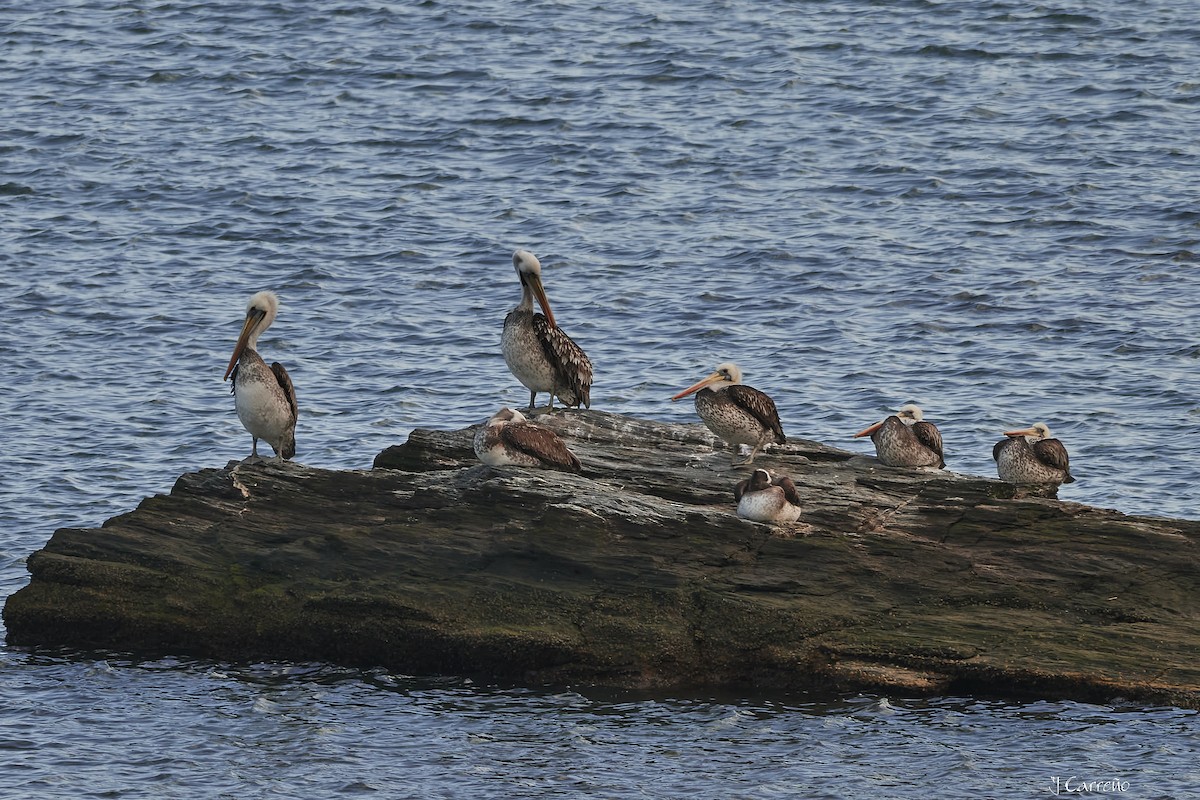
column 636, row 573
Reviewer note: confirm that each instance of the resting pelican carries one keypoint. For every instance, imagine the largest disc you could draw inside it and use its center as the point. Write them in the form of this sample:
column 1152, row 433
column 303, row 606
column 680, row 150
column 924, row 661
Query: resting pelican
column 904, row 440
column 537, row 352
column 508, row 438
column 264, row 396
column 1030, row 455
column 737, row 413
column 763, row 498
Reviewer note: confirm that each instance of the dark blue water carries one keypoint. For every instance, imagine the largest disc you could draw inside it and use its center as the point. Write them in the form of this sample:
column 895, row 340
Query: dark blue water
column 987, row 208
column 184, row 729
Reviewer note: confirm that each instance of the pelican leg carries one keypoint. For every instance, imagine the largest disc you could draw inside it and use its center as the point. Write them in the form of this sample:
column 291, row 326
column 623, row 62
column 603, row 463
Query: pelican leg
column 753, row 452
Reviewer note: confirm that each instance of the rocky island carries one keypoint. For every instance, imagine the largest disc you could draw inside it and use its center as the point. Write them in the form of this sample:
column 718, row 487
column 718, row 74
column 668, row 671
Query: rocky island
column 636, row 573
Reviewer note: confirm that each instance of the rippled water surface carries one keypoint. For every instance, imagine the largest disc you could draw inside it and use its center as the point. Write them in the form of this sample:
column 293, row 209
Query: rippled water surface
column 185, row 729
column 988, row 208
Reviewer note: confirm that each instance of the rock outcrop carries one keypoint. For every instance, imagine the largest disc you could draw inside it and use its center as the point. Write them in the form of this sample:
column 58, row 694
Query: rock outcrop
column 636, row 573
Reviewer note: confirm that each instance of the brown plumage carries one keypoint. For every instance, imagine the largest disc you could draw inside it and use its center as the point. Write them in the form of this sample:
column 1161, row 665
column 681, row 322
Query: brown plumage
column 737, row 413
column 537, row 352
column 573, row 369
column 763, row 498
column 509, row 439
column 905, row 440
column 1031, row 455
column 264, row 396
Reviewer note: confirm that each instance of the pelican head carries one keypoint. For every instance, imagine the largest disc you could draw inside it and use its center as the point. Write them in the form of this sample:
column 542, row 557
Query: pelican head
column 529, row 270
column 1034, row 433
column 909, row 414
column 260, row 313
column 505, row 416
column 725, row 375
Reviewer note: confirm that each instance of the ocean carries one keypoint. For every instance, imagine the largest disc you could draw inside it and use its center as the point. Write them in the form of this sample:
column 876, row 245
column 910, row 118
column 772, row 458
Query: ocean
column 986, row 208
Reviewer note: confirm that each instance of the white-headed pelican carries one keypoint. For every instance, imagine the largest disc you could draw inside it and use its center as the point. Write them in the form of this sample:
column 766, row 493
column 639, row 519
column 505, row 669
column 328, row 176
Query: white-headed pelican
column 906, row 440
column 264, row 396
column 737, row 413
column 509, row 439
column 1030, row 455
column 538, row 353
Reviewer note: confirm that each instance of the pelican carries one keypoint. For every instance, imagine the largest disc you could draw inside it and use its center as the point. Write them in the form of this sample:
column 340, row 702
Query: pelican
column 737, row 413
column 1030, row 455
column 905, row 440
column 763, row 498
column 538, row 353
column 264, row 396
column 509, row 439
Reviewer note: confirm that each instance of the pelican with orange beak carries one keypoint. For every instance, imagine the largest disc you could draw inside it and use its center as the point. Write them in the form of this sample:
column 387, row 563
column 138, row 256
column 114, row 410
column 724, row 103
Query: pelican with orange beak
column 905, row 440
column 538, row 353
column 264, row 396
column 1031, row 455
column 737, row 413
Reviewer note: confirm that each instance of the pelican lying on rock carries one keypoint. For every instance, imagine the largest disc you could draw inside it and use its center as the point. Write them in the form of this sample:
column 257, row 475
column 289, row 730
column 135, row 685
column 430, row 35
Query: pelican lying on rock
column 905, row 440
column 509, row 439
column 1030, row 455
column 763, row 498
column 737, row 413
column 538, row 353
column 264, row 396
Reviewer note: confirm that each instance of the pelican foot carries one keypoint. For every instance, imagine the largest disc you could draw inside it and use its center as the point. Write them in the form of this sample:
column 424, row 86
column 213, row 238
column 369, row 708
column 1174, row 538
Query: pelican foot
column 737, row 451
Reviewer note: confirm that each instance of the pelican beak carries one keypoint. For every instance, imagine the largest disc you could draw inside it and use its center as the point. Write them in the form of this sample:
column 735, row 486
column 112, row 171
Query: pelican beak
column 535, row 283
column 253, row 317
column 716, row 377
column 870, row 430
column 1022, row 432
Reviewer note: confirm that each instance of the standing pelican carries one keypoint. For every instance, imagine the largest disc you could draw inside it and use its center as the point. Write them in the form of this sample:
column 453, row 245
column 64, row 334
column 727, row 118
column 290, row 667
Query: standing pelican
column 264, row 396
column 508, row 438
column 904, row 440
column 762, row 498
column 1030, row 455
column 737, row 413
column 537, row 352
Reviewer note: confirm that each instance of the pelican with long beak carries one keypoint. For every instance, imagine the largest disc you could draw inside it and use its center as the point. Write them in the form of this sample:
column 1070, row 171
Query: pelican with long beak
column 737, row 413
column 766, row 498
column 1031, row 455
column 264, row 396
column 538, row 353
column 905, row 440
column 509, row 439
